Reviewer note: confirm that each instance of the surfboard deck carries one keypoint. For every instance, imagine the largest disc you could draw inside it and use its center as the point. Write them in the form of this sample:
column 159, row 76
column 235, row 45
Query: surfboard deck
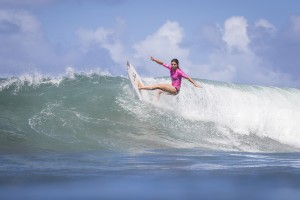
column 135, row 79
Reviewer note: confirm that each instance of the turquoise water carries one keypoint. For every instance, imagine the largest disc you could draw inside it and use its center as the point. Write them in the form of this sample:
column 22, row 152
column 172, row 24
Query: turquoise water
column 85, row 135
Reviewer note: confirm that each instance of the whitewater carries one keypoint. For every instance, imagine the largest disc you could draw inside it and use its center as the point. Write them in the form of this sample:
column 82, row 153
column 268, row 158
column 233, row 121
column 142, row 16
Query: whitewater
column 85, row 135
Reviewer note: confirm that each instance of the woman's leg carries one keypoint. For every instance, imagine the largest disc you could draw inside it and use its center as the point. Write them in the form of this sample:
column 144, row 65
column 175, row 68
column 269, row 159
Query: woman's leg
column 164, row 87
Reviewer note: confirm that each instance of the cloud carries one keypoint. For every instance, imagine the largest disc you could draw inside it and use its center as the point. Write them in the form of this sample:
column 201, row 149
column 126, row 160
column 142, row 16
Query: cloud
column 235, row 34
column 228, row 54
column 246, row 54
column 22, row 43
column 100, row 36
column 239, row 62
column 24, row 47
column 265, row 24
column 7, row 27
column 163, row 44
column 20, row 20
column 105, row 38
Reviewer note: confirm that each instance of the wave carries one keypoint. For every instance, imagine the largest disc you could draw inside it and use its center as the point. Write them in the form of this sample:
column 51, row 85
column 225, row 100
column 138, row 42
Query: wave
column 95, row 111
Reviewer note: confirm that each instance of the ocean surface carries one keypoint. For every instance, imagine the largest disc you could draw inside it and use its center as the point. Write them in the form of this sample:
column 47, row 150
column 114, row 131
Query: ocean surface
column 86, row 135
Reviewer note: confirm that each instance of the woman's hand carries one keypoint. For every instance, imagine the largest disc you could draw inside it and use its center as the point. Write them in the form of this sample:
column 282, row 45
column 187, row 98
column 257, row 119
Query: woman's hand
column 157, row 61
column 198, row 86
column 194, row 82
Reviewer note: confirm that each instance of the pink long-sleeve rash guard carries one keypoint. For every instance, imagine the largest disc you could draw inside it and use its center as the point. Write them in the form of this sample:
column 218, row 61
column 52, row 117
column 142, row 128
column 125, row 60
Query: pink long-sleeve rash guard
column 176, row 76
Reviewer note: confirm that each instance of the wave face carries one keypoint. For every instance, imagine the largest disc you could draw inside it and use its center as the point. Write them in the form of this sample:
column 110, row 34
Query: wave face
column 92, row 111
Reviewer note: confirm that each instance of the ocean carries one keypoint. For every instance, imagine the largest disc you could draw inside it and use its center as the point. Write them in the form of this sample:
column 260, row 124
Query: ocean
column 85, row 135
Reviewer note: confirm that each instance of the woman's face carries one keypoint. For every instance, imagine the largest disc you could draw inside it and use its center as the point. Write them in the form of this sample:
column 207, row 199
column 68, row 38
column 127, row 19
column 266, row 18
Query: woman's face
column 174, row 65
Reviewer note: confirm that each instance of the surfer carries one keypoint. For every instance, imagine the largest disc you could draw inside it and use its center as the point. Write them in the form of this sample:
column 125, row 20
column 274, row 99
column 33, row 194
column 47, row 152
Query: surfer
column 176, row 75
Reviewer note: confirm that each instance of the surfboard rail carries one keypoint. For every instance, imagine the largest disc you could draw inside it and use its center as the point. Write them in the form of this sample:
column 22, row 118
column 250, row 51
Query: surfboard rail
column 135, row 79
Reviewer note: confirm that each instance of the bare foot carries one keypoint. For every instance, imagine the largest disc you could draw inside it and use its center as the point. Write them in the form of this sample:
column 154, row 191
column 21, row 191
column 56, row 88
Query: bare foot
column 140, row 85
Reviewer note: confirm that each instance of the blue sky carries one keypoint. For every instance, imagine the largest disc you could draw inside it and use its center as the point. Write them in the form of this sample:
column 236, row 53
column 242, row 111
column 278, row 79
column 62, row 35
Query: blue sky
column 249, row 42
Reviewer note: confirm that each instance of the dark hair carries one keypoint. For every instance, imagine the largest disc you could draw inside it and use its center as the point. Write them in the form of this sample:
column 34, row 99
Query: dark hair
column 175, row 60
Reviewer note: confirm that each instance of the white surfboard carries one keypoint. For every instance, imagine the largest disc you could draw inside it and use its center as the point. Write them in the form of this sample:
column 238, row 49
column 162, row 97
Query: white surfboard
column 134, row 79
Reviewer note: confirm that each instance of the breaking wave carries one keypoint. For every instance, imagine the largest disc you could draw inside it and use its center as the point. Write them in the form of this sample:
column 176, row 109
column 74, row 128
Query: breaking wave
column 95, row 111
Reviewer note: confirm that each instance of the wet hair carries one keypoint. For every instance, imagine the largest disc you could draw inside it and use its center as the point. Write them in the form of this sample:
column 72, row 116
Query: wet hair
column 175, row 60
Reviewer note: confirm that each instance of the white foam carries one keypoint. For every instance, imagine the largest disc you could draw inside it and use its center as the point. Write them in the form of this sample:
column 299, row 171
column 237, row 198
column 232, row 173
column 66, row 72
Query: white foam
column 245, row 110
column 242, row 110
column 36, row 79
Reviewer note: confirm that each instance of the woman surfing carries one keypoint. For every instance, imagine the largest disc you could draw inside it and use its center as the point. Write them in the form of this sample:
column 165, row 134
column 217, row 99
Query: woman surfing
column 176, row 75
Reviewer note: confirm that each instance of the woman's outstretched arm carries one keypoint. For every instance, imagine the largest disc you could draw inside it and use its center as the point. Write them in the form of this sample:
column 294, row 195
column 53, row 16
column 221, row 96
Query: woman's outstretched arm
column 192, row 81
column 157, row 61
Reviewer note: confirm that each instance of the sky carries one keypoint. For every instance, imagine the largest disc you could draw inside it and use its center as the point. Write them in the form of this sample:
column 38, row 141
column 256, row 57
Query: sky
column 247, row 42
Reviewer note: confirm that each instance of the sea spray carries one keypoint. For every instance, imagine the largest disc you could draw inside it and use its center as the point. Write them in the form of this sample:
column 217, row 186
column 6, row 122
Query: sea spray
column 243, row 116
